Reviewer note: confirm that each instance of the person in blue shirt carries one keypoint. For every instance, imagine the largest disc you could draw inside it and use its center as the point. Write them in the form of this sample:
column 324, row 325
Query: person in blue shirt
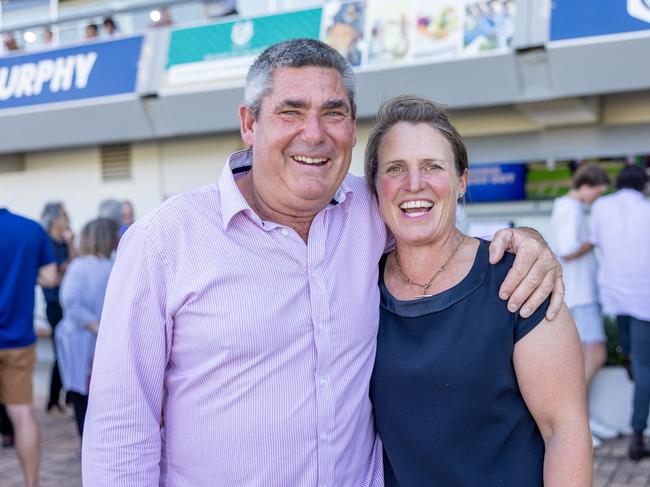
column 25, row 258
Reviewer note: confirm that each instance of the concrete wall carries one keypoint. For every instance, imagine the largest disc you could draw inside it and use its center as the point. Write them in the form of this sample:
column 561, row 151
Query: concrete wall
column 159, row 169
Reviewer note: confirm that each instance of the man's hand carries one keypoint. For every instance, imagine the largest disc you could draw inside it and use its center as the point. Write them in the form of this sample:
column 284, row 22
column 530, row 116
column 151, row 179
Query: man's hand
column 534, row 275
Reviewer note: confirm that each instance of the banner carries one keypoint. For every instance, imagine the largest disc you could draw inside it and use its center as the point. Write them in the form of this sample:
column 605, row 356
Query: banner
column 368, row 33
column 496, row 182
column 226, row 49
column 76, row 73
column 571, row 19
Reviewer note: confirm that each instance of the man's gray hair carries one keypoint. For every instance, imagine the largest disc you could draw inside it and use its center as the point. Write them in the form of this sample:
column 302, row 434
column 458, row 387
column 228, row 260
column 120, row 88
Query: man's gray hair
column 295, row 53
column 51, row 212
column 111, row 209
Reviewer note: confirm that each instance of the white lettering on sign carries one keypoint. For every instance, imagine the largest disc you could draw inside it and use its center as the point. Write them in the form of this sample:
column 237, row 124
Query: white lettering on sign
column 29, row 79
column 491, row 175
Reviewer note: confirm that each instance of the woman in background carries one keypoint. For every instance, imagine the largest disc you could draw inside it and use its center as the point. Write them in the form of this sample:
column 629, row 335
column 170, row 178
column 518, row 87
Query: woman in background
column 465, row 392
column 82, row 296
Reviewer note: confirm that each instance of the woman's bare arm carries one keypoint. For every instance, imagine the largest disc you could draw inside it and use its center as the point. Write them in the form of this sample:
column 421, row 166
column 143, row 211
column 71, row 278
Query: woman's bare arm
column 550, row 371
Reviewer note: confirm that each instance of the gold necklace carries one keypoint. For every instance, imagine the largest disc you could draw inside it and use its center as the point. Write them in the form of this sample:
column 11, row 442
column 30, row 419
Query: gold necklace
column 438, row 272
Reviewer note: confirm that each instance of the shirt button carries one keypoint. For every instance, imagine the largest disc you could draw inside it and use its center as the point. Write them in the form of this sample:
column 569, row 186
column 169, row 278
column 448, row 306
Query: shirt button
column 323, row 380
column 284, row 232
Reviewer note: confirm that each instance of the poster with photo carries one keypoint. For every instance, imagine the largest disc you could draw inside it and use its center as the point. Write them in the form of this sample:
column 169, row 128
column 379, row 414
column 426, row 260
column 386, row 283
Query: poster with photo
column 390, row 26
column 343, row 29
column 489, row 25
column 438, row 29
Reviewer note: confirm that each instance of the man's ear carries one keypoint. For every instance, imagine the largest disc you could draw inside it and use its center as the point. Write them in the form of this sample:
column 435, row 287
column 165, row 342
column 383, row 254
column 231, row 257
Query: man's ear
column 246, row 125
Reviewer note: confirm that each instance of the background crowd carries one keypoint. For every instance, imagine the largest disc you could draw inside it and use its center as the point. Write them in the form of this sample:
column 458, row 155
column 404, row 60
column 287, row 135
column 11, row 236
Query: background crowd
column 73, row 295
column 108, row 27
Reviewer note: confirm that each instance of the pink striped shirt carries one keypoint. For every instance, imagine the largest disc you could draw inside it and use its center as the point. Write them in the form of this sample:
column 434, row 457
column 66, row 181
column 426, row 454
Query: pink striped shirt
column 255, row 347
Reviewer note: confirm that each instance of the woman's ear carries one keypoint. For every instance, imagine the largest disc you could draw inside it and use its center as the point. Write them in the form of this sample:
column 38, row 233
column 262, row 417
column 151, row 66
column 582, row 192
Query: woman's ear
column 462, row 185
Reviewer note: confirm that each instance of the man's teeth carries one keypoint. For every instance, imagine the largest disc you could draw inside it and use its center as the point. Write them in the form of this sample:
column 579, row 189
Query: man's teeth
column 310, row 160
column 407, row 205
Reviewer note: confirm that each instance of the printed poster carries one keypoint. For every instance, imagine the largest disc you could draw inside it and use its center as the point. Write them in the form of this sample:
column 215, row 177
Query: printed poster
column 391, row 23
column 438, row 29
column 343, row 29
column 489, row 25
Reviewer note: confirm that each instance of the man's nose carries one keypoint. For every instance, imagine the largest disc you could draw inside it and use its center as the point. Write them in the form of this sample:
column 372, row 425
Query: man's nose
column 313, row 131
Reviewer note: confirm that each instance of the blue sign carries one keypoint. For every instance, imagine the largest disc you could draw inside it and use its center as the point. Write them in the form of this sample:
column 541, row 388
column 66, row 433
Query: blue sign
column 571, row 19
column 496, row 182
column 74, row 73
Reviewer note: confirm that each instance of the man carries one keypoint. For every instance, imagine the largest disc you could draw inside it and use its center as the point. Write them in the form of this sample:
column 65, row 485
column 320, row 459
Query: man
column 11, row 45
column 111, row 209
column 121, row 212
column 128, row 216
column 110, row 28
column 579, row 268
column 91, row 31
column 57, row 225
column 620, row 228
column 25, row 256
column 245, row 313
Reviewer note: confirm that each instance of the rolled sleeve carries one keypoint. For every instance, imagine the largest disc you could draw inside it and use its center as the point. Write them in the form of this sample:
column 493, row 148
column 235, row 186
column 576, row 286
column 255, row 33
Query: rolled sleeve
column 122, row 444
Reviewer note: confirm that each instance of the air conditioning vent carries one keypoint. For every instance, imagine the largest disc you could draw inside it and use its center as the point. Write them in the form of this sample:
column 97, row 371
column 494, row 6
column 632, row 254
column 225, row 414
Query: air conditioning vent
column 116, row 162
column 12, row 163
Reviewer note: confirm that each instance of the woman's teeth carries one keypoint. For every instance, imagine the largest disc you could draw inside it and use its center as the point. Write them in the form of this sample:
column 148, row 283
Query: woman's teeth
column 416, row 208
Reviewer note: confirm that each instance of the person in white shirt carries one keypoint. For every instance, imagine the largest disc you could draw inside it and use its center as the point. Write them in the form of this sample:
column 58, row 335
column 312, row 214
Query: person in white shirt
column 579, row 266
column 620, row 228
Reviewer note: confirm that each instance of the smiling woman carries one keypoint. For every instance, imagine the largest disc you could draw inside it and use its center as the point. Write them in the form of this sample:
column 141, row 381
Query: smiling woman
column 465, row 392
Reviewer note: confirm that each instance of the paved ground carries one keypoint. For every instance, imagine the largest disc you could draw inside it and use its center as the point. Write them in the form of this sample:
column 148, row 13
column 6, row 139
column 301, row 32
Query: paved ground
column 613, row 469
column 60, row 466
column 60, row 446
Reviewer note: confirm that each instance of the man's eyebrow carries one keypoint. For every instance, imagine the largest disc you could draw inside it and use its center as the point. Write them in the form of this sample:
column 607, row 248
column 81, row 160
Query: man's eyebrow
column 332, row 104
column 328, row 105
column 292, row 103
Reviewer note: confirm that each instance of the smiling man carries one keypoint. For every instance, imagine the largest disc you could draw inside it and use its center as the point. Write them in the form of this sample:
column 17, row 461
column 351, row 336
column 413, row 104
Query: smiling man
column 239, row 328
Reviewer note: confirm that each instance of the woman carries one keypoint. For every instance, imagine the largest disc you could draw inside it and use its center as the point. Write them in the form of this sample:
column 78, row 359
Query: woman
column 465, row 392
column 82, row 297
column 57, row 225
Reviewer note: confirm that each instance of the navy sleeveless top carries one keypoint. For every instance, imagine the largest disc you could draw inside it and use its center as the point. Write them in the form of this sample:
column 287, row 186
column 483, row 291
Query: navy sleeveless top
column 447, row 405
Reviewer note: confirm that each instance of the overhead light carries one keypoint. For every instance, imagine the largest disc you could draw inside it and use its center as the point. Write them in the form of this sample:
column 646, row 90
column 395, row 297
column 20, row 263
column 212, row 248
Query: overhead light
column 29, row 36
column 155, row 16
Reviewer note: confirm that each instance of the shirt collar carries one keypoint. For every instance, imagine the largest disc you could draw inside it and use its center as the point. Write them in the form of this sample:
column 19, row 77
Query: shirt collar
column 631, row 193
column 233, row 202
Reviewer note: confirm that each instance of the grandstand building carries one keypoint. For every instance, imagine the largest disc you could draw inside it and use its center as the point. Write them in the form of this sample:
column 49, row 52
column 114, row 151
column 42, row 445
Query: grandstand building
column 150, row 109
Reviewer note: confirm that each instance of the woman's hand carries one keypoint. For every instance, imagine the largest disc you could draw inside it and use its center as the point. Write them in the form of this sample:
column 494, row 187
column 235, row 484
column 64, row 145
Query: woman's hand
column 535, row 274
